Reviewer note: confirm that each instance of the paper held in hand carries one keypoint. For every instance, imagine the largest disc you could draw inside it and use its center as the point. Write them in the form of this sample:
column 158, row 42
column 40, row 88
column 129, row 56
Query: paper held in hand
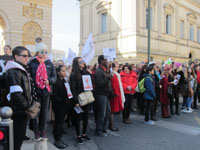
column 87, row 82
column 69, row 93
column 78, row 110
column 109, row 53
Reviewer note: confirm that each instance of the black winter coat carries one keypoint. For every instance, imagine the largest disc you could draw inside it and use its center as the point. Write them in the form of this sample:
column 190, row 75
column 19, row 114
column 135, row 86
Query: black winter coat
column 51, row 72
column 20, row 101
column 102, row 82
column 76, row 84
column 59, row 92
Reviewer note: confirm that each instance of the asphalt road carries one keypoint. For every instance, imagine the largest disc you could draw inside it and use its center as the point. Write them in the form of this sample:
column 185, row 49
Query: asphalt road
column 177, row 133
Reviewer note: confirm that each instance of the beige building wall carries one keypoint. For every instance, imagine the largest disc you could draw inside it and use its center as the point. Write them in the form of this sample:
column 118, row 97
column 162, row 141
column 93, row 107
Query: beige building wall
column 126, row 28
column 24, row 20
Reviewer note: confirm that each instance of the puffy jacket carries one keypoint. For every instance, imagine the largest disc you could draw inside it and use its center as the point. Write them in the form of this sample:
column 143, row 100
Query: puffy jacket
column 51, row 72
column 76, row 84
column 129, row 80
column 19, row 87
column 149, row 93
column 102, row 82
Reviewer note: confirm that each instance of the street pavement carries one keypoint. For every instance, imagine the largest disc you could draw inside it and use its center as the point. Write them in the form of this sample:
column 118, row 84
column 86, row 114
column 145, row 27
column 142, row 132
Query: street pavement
column 177, row 133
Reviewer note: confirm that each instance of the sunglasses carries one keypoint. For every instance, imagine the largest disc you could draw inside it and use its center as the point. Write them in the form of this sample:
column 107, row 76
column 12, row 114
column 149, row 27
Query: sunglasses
column 43, row 52
column 24, row 55
column 81, row 62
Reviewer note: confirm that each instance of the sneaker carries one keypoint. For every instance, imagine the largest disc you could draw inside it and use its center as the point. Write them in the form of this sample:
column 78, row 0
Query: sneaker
column 37, row 136
column 191, row 109
column 43, row 136
column 182, row 109
column 86, row 138
column 187, row 110
column 59, row 144
column 79, row 140
column 150, row 122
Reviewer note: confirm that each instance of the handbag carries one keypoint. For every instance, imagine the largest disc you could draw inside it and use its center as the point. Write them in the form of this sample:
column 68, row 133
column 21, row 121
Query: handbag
column 33, row 111
column 85, row 98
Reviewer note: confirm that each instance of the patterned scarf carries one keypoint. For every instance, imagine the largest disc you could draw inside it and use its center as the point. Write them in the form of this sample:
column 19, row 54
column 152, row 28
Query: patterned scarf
column 41, row 75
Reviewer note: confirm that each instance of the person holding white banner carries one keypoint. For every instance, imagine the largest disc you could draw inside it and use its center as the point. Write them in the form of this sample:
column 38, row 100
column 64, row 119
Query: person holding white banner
column 61, row 104
column 77, row 86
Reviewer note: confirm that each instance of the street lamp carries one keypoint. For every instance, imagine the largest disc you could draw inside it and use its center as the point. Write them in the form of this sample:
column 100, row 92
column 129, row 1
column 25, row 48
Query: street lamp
column 149, row 30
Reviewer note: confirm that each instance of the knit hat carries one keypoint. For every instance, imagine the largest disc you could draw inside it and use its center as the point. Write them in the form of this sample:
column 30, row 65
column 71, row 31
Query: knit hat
column 151, row 63
column 40, row 46
column 177, row 64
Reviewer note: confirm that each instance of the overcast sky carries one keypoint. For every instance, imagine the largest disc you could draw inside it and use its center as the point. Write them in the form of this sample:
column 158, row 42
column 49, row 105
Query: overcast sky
column 66, row 21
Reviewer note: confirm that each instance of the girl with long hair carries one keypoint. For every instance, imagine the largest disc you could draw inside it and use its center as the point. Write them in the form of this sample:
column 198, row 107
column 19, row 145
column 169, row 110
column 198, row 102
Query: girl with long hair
column 76, row 82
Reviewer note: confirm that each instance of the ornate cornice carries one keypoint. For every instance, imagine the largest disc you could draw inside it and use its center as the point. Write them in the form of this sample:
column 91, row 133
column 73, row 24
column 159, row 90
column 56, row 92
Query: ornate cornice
column 191, row 17
column 40, row 2
column 169, row 9
column 195, row 2
column 32, row 12
column 103, row 5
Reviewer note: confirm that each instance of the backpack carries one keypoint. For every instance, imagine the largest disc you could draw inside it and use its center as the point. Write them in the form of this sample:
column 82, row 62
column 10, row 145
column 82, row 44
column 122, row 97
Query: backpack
column 140, row 86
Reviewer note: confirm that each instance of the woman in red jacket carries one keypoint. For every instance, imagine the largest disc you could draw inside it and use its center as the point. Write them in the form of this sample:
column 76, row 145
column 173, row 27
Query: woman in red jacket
column 129, row 83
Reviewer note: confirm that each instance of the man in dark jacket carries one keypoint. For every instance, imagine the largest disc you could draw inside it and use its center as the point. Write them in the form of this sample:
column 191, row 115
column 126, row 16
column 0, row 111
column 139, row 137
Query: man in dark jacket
column 101, row 92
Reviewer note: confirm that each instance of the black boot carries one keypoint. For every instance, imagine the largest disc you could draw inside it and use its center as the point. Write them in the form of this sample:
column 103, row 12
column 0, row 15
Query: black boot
column 60, row 144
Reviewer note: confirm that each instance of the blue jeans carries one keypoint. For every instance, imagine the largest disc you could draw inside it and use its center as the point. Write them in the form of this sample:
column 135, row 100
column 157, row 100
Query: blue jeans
column 189, row 102
column 103, row 111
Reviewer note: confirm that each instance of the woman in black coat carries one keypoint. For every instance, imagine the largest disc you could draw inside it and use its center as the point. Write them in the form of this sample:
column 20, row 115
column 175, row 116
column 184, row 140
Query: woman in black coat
column 61, row 104
column 76, row 83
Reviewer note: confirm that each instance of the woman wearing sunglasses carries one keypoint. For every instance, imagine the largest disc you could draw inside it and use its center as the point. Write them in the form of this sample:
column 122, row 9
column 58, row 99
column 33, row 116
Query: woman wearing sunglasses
column 76, row 83
column 44, row 75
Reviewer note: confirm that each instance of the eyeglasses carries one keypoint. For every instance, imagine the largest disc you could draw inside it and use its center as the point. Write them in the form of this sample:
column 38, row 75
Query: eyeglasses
column 24, row 55
column 43, row 52
column 81, row 62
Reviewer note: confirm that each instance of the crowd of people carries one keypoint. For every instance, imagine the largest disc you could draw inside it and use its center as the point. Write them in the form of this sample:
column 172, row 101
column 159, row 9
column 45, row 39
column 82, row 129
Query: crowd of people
column 116, row 88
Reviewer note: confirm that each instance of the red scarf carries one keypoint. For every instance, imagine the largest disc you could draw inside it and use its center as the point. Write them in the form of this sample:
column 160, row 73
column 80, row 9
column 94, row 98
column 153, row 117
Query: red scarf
column 41, row 75
column 103, row 68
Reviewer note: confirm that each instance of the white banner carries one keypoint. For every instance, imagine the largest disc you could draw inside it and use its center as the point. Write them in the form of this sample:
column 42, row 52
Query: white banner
column 71, row 56
column 88, row 50
column 109, row 53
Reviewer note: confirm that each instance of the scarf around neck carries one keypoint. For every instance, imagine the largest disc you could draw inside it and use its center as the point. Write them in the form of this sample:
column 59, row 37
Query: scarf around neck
column 41, row 75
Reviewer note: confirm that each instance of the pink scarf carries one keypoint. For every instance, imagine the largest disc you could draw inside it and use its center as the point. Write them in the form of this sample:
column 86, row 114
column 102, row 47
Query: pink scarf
column 41, row 75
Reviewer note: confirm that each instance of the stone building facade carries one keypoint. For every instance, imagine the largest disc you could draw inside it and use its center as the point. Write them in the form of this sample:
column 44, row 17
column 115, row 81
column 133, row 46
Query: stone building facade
column 122, row 24
column 21, row 21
